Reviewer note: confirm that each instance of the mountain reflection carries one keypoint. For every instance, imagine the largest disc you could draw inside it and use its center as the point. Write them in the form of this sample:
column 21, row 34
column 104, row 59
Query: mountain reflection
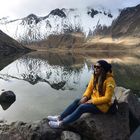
column 71, row 71
column 6, row 58
column 59, row 71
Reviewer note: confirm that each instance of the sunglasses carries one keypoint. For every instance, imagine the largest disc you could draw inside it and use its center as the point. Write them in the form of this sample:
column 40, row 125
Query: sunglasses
column 97, row 67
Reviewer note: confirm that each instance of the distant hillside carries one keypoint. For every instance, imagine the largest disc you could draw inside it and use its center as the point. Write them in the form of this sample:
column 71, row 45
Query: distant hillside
column 78, row 42
column 59, row 21
column 63, row 41
column 126, row 24
column 9, row 45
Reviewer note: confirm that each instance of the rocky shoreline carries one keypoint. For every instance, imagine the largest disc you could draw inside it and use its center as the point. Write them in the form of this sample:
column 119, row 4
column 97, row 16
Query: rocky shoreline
column 88, row 127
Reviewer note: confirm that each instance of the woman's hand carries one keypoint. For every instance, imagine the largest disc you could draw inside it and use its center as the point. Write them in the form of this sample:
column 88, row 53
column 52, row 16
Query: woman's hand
column 89, row 102
column 83, row 100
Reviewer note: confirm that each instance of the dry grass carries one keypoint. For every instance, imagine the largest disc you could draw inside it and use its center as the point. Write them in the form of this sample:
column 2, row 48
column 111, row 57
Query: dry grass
column 78, row 43
column 125, row 41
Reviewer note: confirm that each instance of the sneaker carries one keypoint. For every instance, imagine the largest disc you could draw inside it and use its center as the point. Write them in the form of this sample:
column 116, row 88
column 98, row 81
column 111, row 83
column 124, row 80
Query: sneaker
column 54, row 124
column 53, row 118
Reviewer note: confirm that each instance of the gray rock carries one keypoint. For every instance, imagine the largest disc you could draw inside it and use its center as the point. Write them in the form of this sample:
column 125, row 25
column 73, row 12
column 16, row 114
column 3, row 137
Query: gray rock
column 126, row 95
column 104, row 126
column 7, row 96
column 67, row 135
column 136, row 135
column 38, row 131
column 29, row 131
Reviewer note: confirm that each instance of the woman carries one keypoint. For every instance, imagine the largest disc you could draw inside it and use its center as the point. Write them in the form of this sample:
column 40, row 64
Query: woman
column 96, row 99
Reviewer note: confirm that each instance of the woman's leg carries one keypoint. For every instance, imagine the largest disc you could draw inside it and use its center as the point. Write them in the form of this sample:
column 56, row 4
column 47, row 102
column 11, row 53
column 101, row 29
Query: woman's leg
column 66, row 112
column 71, row 108
column 82, row 108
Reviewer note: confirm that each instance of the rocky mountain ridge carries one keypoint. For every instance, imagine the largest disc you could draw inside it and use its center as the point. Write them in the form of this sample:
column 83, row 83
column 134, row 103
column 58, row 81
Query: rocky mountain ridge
column 66, row 21
column 126, row 24
column 58, row 21
column 9, row 45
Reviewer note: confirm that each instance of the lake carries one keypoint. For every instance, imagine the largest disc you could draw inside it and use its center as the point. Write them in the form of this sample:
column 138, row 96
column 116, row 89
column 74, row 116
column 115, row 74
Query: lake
column 45, row 82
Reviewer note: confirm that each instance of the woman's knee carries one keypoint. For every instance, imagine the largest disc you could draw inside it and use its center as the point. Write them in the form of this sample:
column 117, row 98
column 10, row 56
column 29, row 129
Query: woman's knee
column 82, row 107
column 76, row 101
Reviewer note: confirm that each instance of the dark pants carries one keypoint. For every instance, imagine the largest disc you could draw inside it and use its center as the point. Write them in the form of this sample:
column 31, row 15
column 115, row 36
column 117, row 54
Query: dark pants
column 75, row 110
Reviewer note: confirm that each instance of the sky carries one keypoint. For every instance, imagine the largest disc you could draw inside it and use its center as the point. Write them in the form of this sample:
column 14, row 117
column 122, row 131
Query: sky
column 22, row 8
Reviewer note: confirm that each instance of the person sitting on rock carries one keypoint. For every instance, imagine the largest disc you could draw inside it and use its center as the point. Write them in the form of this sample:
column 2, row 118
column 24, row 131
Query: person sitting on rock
column 96, row 99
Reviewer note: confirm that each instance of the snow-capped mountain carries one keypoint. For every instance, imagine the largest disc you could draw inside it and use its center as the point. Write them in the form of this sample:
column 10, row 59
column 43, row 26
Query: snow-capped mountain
column 34, row 28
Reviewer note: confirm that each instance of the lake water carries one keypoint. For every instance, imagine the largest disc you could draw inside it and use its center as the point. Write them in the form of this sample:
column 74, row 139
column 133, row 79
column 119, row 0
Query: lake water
column 45, row 83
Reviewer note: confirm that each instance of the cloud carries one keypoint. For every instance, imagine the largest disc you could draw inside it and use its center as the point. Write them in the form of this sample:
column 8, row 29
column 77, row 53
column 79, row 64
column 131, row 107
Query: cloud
column 22, row 8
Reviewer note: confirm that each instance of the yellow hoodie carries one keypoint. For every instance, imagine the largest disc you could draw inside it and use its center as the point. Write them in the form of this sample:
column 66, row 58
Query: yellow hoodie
column 102, row 102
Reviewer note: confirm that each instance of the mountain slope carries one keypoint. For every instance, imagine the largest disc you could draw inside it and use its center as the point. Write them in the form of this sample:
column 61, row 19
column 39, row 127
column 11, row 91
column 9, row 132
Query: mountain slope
column 127, row 23
column 89, row 21
column 9, row 45
column 58, row 21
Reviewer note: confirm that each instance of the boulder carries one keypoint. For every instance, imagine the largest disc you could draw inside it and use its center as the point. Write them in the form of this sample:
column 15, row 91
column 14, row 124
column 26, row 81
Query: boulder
column 104, row 126
column 29, row 131
column 7, row 96
column 126, row 95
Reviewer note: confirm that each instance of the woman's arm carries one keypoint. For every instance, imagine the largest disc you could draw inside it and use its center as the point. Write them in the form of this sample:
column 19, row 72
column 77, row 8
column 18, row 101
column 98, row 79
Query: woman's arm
column 110, row 85
column 83, row 100
column 89, row 101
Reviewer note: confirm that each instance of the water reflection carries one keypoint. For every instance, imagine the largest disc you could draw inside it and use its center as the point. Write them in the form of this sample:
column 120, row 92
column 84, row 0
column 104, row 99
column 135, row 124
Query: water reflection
column 6, row 58
column 59, row 72
column 126, row 67
column 45, row 82
column 125, row 57
column 128, row 76
column 63, row 71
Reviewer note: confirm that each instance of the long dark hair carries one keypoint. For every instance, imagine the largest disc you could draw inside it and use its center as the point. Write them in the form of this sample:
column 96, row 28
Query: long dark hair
column 100, row 80
column 105, row 68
